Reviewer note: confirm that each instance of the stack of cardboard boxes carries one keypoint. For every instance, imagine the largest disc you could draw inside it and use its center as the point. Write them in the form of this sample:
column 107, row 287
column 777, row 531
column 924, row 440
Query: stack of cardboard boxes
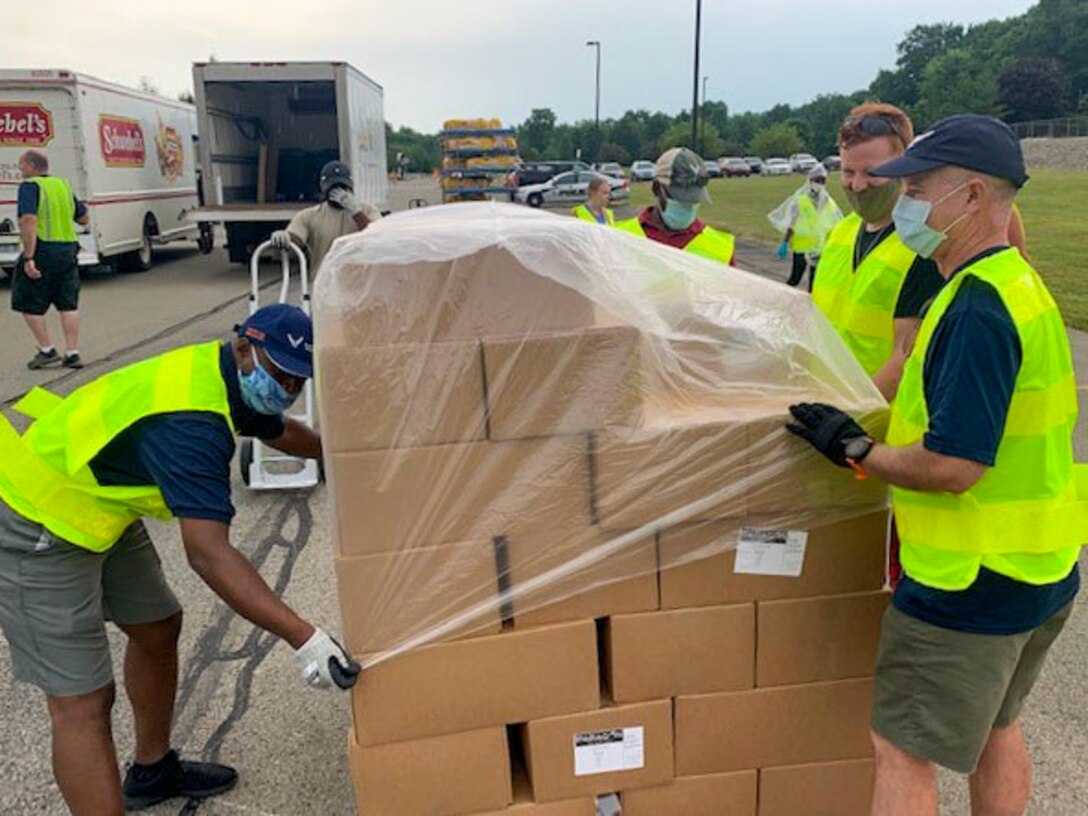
column 504, row 459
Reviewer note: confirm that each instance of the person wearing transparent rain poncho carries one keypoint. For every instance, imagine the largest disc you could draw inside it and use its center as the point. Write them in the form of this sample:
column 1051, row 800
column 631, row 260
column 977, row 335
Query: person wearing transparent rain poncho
column 805, row 219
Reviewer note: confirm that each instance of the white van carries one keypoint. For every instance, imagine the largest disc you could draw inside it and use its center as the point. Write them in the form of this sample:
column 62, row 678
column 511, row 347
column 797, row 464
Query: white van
column 129, row 155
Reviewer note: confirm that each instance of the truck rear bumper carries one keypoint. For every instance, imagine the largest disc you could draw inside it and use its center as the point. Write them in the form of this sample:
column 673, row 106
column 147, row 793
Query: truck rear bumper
column 9, row 250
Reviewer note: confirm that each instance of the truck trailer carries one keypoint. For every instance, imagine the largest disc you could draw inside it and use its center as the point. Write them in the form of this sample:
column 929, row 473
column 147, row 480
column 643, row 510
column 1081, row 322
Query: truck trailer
column 267, row 128
column 129, row 155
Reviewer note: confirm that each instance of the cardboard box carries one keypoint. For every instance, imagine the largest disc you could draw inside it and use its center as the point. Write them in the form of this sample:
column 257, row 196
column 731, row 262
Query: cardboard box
column 623, row 580
column 687, row 651
column 790, row 476
column 502, row 679
column 562, row 383
column 698, row 561
column 732, row 794
column 525, row 806
column 643, row 474
column 613, row 749
column 416, row 497
column 389, row 597
column 485, row 294
column 814, row 639
column 787, row 725
column 825, row 789
column 437, row 776
column 378, row 397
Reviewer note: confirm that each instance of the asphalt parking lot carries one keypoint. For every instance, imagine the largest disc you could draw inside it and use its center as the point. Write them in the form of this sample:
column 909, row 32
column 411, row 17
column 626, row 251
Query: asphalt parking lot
column 241, row 699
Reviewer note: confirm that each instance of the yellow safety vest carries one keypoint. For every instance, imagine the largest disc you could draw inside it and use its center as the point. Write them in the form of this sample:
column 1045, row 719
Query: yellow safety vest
column 56, row 210
column 809, row 230
column 860, row 303
column 45, row 474
column 1027, row 517
column 710, row 243
column 586, row 214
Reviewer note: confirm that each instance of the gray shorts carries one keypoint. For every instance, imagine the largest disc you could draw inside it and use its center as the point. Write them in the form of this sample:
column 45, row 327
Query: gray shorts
column 55, row 599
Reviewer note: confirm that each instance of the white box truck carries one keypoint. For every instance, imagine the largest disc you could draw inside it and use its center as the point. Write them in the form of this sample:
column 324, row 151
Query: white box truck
column 267, row 128
column 129, row 155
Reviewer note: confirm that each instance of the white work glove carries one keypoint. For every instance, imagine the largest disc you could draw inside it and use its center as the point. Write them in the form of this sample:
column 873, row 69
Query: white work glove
column 281, row 239
column 342, row 197
column 325, row 664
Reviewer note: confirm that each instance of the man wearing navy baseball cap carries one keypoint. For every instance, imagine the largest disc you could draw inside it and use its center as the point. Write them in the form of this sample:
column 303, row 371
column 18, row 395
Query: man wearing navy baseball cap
column 152, row 439
column 979, row 456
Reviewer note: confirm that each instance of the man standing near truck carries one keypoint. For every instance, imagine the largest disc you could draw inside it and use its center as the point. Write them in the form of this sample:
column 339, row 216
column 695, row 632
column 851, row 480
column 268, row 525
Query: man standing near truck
column 339, row 213
column 47, row 273
column 151, row 439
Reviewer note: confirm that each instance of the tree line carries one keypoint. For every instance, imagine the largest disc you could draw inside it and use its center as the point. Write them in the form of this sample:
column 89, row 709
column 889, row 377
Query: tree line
column 1031, row 66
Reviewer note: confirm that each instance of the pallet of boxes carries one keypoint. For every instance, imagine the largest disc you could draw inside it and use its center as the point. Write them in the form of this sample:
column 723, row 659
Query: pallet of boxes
column 577, row 551
column 477, row 157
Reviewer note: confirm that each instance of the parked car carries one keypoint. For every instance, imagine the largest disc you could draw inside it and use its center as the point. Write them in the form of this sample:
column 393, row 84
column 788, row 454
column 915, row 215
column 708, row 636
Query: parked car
column 833, row 162
column 736, row 167
column 642, row 170
column 567, row 188
column 713, row 169
column 613, row 169
column 755, row 162
column 802, row 162
column 537, row 172
column 776, row 167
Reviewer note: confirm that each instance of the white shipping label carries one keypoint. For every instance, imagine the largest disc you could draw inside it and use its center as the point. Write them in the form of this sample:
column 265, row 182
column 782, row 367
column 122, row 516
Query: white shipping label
column 771, row 552
column 598, row 752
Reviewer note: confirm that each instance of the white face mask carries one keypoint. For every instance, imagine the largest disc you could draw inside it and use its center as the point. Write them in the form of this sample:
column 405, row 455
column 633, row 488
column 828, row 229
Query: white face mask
column 911, row 218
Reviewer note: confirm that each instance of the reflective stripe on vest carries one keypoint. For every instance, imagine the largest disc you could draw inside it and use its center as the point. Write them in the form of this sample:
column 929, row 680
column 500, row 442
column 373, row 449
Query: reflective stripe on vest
column 56, row 210
column 861, row 303
column 586, row 214
column 45, row 474
column 710, row 243
column 806, row 230
column 1028, row 515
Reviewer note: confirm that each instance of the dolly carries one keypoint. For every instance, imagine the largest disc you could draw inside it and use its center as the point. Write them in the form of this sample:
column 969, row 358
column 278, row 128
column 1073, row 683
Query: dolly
column 262, row 467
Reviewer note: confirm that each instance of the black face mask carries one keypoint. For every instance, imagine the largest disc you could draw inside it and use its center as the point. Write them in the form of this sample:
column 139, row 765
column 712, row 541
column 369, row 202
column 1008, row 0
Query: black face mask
column 874, row 204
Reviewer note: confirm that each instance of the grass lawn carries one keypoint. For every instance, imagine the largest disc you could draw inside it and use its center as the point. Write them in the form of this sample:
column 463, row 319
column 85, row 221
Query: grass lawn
column 1054, row 205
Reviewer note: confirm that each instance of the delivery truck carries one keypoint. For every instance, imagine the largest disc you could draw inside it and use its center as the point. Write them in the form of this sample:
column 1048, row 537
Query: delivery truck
column 267, row 128
column 129, row 155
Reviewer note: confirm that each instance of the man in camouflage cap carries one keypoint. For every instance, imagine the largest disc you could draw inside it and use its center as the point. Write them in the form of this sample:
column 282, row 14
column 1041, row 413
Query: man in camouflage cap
column 679, row 187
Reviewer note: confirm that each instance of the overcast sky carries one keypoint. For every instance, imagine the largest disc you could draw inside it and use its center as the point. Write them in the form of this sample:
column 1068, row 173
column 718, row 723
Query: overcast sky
column 442, row 58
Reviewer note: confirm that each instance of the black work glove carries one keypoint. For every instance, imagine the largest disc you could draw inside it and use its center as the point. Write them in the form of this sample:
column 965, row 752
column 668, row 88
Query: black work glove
column 826, row 428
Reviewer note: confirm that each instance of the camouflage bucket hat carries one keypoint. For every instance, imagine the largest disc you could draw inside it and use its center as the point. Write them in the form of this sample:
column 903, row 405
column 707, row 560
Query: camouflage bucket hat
column 685, row 175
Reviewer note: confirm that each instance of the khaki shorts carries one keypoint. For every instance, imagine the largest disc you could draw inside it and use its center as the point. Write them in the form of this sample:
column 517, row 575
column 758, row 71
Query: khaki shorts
column 55, row 598
column 940, row 692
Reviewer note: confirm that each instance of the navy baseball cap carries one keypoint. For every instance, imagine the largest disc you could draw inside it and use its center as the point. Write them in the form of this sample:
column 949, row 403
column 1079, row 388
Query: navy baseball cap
column 286, row 334
column 973, row 142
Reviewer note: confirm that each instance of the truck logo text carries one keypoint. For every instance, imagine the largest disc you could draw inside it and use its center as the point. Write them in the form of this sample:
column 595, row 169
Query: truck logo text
column 25, row 124
column 122, row 141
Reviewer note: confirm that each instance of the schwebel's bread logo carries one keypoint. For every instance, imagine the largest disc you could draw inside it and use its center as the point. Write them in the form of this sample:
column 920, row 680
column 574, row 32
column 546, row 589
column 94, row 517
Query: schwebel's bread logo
column 122, row 141
column 25, row 124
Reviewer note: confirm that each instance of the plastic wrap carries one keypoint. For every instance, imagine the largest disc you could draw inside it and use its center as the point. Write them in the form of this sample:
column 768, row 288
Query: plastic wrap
column 784, row 216
column 526, row 417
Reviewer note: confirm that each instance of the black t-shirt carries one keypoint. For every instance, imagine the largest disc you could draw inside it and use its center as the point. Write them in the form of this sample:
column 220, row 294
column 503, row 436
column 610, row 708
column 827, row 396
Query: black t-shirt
column 187, row 454
column 970, row 369
column 923, row 280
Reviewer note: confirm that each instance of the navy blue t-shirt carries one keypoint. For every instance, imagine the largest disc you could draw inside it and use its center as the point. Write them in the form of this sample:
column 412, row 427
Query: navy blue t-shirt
column 29, row 197
column 187, row 454
column 970, row 372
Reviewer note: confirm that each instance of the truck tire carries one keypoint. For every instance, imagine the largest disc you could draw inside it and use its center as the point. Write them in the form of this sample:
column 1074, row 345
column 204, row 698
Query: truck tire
column 206, row 239
column 143, row 258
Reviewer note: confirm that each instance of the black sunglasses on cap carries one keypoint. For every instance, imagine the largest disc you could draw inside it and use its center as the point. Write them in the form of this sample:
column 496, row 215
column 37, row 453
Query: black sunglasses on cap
column 875, row 124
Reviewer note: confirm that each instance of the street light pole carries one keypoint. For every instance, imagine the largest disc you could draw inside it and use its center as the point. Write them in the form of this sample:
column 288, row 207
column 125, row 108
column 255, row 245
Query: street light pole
column 702, row 135
column 597, row 108
column 695, row 81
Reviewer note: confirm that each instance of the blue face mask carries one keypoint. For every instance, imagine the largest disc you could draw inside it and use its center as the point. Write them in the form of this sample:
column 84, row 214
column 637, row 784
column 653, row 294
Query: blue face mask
column 679, row 215
column 911, row 218
column 262, row 392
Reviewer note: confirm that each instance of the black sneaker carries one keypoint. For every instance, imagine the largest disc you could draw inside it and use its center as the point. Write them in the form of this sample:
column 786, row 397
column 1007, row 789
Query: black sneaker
column 72, row 361
column 43, row 359
column 170, row 777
